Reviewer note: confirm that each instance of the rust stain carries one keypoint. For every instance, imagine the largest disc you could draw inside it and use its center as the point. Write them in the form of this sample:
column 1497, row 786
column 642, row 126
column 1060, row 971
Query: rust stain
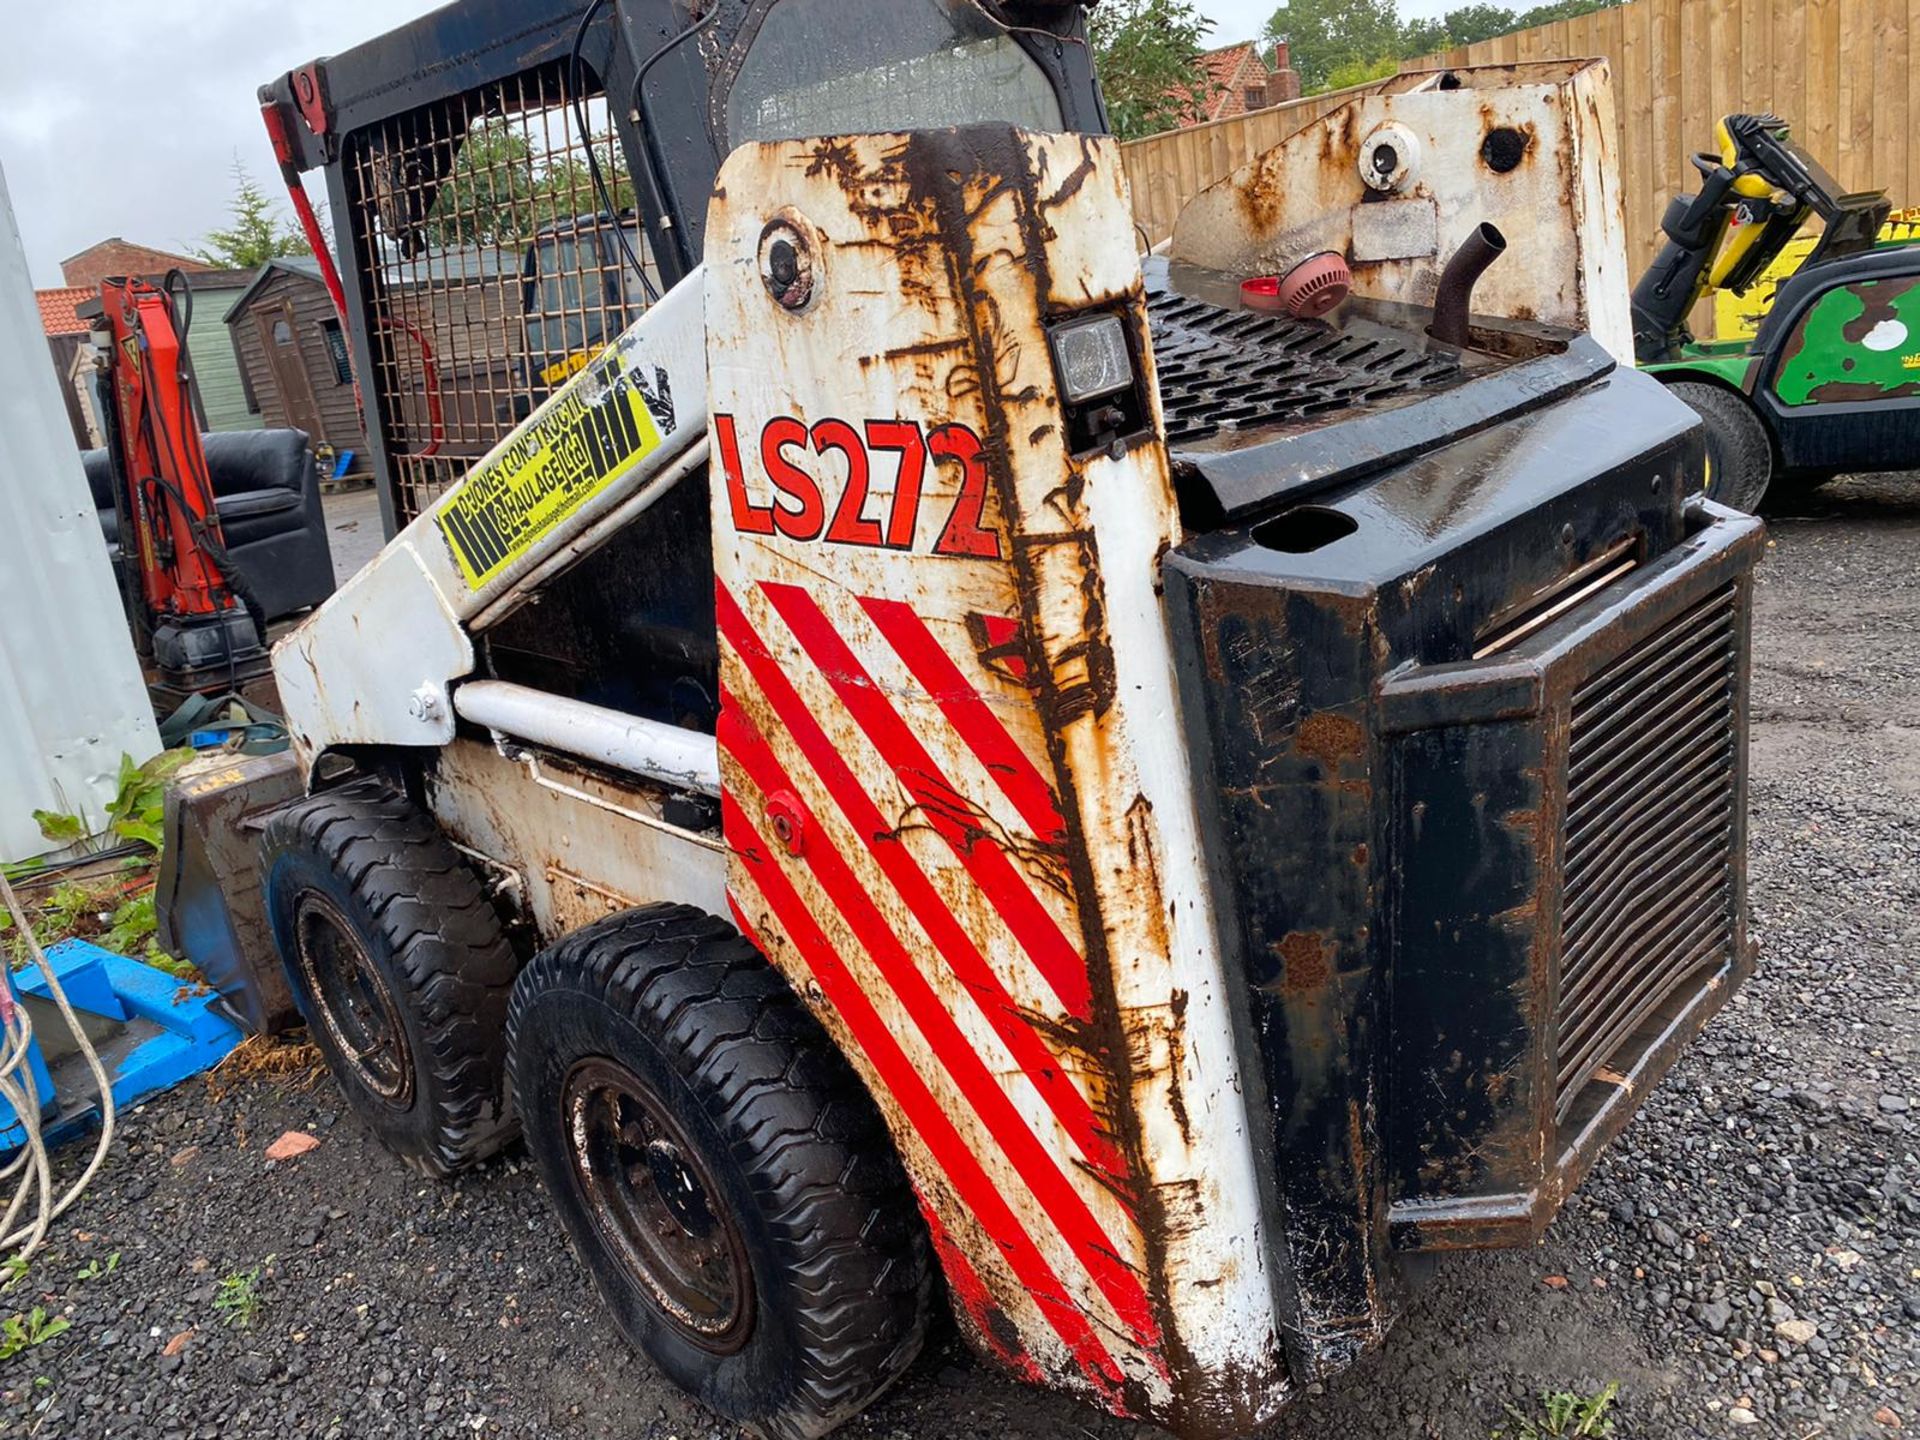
column 837, row 160
column 1330, row 737
column 1177, row 1042
column 1305, row 967
column 1261, row 197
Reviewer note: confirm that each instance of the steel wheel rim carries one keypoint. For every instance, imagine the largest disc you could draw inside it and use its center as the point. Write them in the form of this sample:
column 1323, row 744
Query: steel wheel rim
column 357, row 1006
column 652, row 1200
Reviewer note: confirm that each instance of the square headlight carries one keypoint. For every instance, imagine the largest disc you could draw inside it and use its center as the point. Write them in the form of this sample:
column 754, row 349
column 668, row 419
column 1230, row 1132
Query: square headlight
column 1092, row 358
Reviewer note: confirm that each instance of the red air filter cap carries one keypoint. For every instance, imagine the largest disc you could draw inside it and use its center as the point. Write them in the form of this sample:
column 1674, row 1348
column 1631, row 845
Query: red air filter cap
column 1311, row 288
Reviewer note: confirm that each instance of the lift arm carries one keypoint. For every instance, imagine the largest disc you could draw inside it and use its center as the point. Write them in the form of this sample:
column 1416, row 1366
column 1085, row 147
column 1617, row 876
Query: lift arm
column 374, row 665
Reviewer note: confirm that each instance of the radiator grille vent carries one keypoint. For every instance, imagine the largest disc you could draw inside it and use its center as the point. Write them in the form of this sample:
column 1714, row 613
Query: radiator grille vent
column 1648, row 873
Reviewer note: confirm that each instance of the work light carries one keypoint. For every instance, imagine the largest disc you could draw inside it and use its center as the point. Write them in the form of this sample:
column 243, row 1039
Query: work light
column 1092, row 358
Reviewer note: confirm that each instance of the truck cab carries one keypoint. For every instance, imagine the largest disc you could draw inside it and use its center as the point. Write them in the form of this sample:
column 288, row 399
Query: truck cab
column 1182, row 789
column 578, row 290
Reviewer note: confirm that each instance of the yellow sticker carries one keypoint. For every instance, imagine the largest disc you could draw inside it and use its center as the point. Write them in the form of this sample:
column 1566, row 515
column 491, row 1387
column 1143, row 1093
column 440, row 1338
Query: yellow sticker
column 562, row 369
column 590, row 433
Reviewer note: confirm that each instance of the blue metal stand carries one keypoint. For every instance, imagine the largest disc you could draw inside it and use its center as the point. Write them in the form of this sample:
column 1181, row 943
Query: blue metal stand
column 150, row 1030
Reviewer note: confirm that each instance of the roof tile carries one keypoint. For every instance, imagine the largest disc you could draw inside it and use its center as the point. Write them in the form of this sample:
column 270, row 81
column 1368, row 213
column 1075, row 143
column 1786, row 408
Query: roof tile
column 57, row 315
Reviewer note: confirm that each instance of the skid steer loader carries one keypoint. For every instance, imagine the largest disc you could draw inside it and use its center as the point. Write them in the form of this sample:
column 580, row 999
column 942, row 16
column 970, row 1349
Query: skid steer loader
column 949, row 756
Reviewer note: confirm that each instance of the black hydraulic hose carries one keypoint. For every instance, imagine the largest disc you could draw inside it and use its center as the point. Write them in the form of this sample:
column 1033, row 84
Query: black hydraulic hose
column 1453, row 299
column 600, row 188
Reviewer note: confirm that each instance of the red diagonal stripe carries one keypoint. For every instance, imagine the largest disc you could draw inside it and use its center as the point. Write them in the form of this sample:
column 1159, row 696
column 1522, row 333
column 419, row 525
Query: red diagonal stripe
column 1032, row 1161
column 956, row 821
column 974, row 1297
column 970, row 716
column 975, row 1188
column 930, row 909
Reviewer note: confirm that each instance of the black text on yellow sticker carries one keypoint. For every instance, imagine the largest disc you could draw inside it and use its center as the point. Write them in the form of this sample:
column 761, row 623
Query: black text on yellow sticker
column 547, row 472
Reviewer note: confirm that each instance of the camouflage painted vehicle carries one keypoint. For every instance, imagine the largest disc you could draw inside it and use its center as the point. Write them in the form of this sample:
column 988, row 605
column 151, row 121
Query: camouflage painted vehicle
column 1830, row 380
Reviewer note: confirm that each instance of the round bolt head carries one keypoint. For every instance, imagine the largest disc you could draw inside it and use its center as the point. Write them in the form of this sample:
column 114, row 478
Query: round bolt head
column 786, row 820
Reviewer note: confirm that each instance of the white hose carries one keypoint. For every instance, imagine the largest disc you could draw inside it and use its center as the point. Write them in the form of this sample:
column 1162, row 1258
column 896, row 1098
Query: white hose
column 18, row 1087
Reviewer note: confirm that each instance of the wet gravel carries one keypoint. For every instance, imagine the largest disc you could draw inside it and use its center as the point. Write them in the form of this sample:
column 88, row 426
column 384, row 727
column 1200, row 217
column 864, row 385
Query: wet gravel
column 1745, row 1260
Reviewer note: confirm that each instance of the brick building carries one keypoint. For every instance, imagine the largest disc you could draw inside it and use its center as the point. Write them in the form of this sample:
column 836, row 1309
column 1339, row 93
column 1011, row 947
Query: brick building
column 122, row 257
column 1236, row 79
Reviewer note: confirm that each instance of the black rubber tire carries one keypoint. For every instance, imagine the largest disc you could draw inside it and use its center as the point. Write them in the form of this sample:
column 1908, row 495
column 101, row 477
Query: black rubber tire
column 428, row 930
column 1739, row 453
column 806, row 1173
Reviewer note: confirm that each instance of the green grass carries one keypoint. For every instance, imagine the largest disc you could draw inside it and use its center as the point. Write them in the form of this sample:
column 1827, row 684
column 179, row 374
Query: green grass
column 23, row 1332
column 1564, row 1413
column 238, row 1298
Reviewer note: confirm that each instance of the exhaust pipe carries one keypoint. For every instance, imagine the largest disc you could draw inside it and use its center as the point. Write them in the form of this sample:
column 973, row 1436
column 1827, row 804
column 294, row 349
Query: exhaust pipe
column 1454, row 296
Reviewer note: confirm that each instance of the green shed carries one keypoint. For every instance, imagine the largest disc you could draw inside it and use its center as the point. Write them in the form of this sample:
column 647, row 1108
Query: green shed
column 216, row 369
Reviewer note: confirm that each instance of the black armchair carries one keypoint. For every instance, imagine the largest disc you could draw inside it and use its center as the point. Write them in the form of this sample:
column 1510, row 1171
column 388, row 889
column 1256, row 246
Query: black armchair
column 267, row 492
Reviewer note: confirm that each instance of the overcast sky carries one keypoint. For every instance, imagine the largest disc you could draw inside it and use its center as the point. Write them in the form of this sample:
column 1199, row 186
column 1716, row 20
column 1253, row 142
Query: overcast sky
column 123, row 117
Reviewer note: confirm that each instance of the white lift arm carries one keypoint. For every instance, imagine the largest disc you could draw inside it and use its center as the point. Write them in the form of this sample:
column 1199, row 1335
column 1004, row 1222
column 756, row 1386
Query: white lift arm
column 376, row 664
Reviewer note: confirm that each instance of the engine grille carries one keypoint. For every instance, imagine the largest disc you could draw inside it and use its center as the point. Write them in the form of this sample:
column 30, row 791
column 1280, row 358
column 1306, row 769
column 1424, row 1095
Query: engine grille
column 1224, row 369
column 1648, row 861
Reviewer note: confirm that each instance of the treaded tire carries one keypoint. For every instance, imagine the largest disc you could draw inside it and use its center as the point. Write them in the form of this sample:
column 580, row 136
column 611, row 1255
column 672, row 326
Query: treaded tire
column 804, row 1170
column 379, row 869
column 1739, row 454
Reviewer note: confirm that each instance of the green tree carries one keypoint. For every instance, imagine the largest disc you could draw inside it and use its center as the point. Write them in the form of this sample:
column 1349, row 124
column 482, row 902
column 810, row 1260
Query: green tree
column 488, row 196
column 1323, row 35
column 257, row 234
column 1424, row 37
column 1562, row 10
column 565, row 187
column 499, row 193
column 1472, row 23
column 1145, row 53
column 1359, row 72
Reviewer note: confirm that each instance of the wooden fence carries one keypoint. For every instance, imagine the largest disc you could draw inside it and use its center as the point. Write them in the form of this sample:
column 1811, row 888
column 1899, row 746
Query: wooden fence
column 1169, row 169
column 1844, row 73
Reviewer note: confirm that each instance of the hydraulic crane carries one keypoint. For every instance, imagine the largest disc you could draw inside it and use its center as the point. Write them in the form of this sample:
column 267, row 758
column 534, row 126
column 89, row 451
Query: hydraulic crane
column 194, row 622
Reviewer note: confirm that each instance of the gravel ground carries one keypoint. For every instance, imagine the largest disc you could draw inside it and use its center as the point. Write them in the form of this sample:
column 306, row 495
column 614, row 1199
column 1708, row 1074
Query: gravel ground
column 1744, row 1259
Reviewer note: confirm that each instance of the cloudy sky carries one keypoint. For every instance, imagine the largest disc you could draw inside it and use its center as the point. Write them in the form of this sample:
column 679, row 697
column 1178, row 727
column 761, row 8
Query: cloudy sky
column 124, row 117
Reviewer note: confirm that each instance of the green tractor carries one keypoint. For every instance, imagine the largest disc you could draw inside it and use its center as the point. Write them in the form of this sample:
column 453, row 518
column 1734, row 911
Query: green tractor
column 1830, row 380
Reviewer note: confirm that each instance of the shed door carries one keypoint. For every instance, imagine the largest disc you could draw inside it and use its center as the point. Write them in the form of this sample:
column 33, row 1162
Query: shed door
column 280, row 336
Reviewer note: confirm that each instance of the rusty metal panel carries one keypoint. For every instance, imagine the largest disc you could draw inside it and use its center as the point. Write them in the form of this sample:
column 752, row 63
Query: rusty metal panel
column 957, row 797
column 567, row 843
column 1396, row 179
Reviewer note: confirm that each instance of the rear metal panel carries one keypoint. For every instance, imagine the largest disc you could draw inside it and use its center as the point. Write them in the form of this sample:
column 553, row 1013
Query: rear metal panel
column 1528, row 147
column 1383, row 689
column 957, row 792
